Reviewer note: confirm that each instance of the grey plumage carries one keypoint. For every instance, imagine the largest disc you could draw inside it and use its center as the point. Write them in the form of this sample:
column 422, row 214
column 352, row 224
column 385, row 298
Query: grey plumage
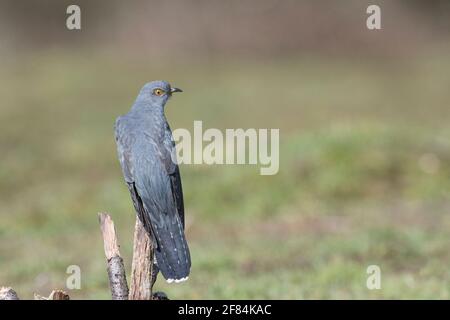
column 146, row 153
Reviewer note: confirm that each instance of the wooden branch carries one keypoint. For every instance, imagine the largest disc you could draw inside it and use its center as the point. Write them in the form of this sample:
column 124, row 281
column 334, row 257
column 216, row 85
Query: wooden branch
column 141, row 270
column 116, row 269
column 55, row 295
column 7, row 293
column 142, row 274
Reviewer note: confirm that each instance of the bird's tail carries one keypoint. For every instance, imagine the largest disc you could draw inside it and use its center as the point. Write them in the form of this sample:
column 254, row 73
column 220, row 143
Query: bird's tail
column 172, row 251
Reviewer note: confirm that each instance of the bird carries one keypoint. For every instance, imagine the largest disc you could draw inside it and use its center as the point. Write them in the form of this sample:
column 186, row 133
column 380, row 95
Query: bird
column 146, row 152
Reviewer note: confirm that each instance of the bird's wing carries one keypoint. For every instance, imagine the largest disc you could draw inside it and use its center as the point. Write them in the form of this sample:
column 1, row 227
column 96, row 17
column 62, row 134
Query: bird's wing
column 168, row 157
column 125, row 139
column 177, row 191
column 159, row 190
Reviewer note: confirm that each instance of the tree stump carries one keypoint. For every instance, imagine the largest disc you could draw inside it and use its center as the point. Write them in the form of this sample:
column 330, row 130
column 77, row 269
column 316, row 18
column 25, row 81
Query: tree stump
column 141, row 269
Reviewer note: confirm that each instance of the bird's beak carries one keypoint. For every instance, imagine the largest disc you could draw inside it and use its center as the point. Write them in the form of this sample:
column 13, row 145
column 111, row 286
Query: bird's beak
column 172, row 90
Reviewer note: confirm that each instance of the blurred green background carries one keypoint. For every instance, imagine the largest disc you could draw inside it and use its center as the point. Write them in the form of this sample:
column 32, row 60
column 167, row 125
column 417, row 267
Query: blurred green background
column 364, row 143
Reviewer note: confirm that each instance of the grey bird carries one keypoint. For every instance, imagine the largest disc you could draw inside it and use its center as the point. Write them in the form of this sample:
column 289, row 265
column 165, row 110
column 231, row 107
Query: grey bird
column 147, row 156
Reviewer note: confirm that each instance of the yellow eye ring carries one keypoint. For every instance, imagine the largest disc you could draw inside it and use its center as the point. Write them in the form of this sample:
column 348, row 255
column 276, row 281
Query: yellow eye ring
column 158, row 92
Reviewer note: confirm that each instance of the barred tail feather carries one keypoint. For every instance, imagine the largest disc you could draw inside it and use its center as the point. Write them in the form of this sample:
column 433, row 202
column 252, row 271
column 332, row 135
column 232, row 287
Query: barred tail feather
column 172, row 252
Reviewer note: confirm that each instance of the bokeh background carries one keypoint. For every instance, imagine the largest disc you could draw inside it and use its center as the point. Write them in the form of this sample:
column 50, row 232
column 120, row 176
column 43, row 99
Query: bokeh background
column 364, row 131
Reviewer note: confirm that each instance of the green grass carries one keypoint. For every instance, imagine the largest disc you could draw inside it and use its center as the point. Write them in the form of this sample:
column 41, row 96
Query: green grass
column 364, row 175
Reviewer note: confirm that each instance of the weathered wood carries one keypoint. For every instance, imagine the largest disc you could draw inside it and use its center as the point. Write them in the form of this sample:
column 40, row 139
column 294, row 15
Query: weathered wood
column 141, row 270
column 55, row 295
column 116, row 270
column 58, row 295
column 7, row 293
column 142, row 274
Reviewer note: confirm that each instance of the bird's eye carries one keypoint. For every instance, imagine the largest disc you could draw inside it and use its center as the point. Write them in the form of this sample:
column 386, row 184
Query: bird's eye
column 158, row 92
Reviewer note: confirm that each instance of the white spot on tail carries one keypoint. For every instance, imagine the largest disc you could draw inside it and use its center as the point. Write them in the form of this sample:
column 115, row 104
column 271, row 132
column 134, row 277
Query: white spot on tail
column 177, row 280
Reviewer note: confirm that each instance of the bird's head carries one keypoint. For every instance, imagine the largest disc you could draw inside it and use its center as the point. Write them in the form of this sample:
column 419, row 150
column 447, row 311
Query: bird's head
column 157, row 92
